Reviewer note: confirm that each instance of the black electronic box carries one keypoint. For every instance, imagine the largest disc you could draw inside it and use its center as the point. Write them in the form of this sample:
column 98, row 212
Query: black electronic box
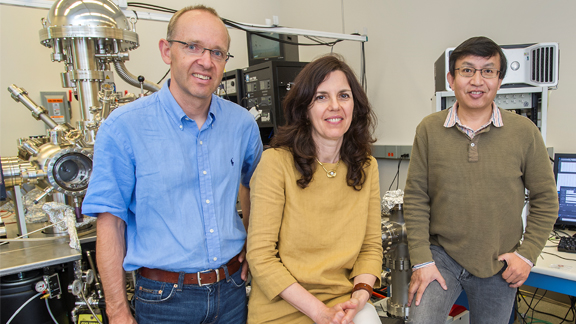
column 266, row 84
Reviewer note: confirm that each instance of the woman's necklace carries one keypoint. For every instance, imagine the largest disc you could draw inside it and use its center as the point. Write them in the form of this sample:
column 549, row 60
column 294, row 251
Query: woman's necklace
column 331, row 173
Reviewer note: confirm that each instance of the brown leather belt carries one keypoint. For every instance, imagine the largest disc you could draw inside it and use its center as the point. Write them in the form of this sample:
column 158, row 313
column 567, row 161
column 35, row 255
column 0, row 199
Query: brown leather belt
column 206, row 277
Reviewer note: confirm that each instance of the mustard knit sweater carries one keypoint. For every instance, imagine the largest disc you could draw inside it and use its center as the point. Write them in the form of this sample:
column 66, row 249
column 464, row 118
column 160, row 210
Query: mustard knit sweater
column 321, row 236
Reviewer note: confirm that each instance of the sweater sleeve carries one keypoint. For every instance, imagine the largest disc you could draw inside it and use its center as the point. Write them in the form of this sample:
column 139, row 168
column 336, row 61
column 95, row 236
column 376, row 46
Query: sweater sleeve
column 267, row 196
column 417, row 201
column 370, row 257
column 543, row 196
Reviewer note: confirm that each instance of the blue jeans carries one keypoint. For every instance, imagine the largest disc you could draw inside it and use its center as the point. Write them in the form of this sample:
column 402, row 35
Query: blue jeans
column 490, row 299
column 161, row 302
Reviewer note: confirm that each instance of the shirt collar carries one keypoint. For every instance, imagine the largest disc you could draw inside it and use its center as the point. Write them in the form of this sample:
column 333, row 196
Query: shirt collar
column 452, row 118
column 175, row 111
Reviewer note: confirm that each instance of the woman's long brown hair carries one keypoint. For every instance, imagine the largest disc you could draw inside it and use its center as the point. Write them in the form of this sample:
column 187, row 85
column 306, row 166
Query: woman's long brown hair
column 296, row 134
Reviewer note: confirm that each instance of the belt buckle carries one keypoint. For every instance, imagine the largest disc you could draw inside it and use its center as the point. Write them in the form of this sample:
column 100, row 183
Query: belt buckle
column 206, row 271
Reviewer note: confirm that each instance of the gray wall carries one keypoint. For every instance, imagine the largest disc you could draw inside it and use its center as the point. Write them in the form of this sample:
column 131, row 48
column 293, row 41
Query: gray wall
column 405, row 39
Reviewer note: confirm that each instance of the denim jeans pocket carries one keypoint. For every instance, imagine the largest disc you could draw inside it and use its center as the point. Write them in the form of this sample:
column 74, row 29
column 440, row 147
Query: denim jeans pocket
column 150, row 291
column 236, row 279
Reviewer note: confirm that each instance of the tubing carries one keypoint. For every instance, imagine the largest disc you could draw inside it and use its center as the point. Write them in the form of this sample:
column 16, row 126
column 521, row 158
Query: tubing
column 50, row 311
column 23, row 305
column 89, row 307
column 132, row 79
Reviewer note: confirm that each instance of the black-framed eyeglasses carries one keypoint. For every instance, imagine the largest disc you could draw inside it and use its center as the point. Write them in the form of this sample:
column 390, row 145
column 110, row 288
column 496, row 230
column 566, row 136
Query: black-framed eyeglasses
column 197, row 50
column 486, row 73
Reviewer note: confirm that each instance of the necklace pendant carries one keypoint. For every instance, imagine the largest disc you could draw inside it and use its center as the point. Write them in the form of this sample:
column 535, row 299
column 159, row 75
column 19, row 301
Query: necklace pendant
column 331, row 174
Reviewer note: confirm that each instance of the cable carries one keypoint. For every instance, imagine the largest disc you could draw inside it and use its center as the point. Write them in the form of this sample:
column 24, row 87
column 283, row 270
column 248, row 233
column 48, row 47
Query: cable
column 397, row 176
column 23, row 305
column 238, row 25
column 561, row 232
column 364, row 80
column 536, row 320
column 150, row 6
column 223, row 87
column 231, row 23
column 148, row 92
column 571, row 308
column 144, row 7
column 539, row 300
column 9, row 214
column 556, row 255
column 165, row 75
column 50, row 311
column 520, row 315
column 517, row 306
column 90, row 307
column 23, row 236
column 258, row 26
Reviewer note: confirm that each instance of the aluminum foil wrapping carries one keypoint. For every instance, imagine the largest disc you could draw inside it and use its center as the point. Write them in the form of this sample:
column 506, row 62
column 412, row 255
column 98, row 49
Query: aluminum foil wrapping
column 391, row 199
column 58, row 212
column 32, row 212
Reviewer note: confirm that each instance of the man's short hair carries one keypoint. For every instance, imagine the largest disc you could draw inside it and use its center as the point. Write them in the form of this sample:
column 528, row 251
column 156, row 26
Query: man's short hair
column 177, row 14
column 478, row 46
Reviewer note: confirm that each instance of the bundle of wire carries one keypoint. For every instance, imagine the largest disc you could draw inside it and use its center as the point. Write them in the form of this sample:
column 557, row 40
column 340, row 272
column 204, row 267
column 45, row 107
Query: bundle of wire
column 244, row 27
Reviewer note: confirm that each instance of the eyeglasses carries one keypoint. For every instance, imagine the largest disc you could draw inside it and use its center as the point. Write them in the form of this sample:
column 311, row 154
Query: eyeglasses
column 197, row 50
column 469, row 72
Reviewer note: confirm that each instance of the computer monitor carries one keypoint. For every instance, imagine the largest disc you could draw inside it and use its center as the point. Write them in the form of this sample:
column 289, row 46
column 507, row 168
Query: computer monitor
column 261, row 49
column 565, row 174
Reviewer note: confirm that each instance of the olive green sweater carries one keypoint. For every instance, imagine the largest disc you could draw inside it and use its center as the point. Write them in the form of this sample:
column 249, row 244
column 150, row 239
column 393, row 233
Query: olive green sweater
column 467, row 195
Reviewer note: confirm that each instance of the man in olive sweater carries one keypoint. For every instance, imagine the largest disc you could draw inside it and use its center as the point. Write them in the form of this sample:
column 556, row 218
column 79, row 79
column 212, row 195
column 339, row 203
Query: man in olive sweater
column 465, row 192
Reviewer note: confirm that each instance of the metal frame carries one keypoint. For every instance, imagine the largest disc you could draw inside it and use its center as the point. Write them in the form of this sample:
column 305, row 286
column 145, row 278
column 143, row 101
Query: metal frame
column 543, row 104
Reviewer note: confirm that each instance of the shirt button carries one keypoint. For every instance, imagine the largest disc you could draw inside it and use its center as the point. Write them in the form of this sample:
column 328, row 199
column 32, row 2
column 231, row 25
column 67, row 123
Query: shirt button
column 211, row 231
column 181, row 126
column 207, row 201
column 200, row 142
column 472, row 144
column 215, row 258
column 204, row 172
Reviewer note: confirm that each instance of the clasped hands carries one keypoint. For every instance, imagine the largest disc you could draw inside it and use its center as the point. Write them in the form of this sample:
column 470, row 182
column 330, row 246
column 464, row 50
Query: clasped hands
column 343, row 313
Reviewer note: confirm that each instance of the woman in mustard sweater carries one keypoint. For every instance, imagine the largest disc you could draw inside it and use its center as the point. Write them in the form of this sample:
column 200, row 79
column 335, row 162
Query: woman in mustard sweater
column 314, row 241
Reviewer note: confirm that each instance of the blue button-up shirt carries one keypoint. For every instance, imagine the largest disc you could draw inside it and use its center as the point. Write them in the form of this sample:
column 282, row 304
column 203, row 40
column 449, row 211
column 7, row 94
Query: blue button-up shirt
column 174, row 185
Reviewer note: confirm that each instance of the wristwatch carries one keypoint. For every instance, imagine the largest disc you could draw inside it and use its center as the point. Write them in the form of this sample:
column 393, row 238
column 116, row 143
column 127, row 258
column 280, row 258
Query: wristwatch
column 363, row 286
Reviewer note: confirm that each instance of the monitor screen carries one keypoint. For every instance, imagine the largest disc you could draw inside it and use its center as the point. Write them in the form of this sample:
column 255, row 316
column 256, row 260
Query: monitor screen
column 264, row 47
column 565, row 173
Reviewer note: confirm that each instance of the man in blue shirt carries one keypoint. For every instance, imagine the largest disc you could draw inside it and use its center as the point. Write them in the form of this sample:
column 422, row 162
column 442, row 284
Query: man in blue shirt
column 167, row 171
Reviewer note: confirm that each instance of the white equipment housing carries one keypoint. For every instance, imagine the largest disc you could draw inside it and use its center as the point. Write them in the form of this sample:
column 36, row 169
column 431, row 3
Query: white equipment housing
column 530, row 64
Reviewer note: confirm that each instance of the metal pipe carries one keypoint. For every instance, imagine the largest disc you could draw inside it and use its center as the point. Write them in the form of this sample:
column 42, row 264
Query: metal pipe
column 20, row 213
column 398, row 261
column 39, row 112
column 132, row 79
column 78, row 210
column 86, row 72
column 97, row 285
column 90, row 308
